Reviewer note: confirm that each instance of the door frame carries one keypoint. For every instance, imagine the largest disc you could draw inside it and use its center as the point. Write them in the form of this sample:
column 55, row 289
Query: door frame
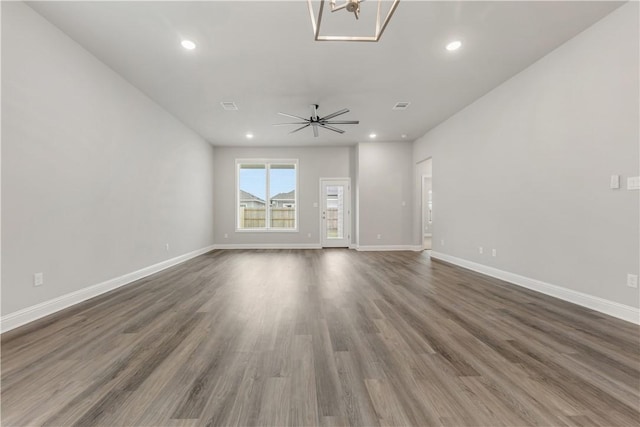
column 423, row 216
column 347, row 224
column 423, row 203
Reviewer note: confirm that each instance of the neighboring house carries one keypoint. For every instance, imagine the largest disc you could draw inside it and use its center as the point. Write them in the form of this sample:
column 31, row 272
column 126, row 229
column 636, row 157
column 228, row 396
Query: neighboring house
column 248, row 200
column 284, row 200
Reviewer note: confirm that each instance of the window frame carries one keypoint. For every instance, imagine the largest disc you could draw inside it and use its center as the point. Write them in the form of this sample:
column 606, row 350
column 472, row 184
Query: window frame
column 267, row 163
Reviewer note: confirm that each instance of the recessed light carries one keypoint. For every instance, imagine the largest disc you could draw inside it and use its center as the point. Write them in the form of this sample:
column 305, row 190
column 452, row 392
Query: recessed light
column 188, row 44
column 404, row 135
column 372, row 135
column 454, row 45
column 249, row 135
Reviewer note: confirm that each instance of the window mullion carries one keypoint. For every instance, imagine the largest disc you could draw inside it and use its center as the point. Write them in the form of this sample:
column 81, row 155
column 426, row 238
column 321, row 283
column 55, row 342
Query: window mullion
column 267, row 215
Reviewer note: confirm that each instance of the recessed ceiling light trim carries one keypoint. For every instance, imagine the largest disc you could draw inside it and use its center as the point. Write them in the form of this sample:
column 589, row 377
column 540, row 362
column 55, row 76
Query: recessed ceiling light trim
column 229, row 106
column 188, row 44
column 454, row 45
column 380, row 25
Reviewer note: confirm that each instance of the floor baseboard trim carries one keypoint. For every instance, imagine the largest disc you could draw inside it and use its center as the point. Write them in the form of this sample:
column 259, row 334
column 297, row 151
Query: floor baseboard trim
column 365, row 248
column 35, row 312
column 611, row 308
column 269, row 246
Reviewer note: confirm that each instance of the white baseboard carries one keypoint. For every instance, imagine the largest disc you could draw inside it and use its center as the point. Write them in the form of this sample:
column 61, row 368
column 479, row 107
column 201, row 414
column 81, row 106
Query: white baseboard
column 269, row 246
column 317, row 246
column 29, row 314
column 612, row 308
column 365, row 248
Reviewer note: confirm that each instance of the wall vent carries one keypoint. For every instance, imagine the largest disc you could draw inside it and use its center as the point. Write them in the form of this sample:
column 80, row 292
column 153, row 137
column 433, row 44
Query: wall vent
column 401, row 106
column 229, row 106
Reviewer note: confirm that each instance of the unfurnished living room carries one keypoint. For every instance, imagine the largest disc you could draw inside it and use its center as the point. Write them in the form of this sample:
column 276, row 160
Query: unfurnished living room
column 320, row 213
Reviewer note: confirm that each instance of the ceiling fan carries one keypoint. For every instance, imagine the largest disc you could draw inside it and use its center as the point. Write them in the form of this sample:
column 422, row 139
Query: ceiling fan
column 315, row 121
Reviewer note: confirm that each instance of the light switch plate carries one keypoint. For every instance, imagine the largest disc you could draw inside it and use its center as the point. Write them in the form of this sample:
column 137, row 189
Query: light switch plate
column 615, row 182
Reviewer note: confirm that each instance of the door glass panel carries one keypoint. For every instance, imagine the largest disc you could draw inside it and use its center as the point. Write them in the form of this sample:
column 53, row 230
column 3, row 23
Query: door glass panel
column 335, row 212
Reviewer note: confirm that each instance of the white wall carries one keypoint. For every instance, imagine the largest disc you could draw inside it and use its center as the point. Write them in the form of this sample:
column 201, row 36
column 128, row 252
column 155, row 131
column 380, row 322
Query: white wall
column 96, row 178
column 385, row 194
column 313, row 163
column 381, row 178
column 525, row 169
column 353, row 168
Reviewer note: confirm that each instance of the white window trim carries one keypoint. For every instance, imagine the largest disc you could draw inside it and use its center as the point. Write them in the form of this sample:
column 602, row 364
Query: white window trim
column 267, row 163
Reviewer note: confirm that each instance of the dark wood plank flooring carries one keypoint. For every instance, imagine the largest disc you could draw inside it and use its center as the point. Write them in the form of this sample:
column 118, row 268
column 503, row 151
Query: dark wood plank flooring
column 321, row 337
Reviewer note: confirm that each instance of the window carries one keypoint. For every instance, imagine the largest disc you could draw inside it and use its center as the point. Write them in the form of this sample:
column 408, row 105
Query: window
column 267, row 195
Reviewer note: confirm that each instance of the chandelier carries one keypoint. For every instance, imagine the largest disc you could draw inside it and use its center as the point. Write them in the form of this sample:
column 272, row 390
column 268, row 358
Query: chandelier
column 352, row 6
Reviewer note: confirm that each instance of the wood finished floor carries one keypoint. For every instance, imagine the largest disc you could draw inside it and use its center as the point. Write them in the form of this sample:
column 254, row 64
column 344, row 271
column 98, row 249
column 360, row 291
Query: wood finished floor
column 332, row 337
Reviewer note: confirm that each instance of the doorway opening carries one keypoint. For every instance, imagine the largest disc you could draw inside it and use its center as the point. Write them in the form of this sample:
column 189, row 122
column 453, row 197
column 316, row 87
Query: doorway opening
column 426, row 196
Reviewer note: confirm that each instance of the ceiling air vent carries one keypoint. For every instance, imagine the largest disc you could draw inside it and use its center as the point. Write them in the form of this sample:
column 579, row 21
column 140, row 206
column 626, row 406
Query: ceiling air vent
column 229, row 106
column 401, row 106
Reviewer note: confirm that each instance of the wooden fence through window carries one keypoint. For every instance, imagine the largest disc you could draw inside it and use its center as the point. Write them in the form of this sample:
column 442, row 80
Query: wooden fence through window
column 282, row 218
column 255, row 217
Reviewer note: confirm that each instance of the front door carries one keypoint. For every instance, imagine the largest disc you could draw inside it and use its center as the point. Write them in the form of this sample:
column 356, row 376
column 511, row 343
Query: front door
column 335, row 213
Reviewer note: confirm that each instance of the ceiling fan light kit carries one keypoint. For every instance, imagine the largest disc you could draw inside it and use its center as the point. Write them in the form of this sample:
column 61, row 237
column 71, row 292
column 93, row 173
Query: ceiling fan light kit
column 351, row 6
column 316, row 122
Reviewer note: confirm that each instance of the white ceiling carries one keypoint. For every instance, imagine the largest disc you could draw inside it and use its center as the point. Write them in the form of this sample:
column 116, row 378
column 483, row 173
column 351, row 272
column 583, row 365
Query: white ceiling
column 262, row 56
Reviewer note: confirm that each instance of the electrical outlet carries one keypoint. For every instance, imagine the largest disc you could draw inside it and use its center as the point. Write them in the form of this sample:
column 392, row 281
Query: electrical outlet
column 379, row 236
column 226, row 235
column 494, row 252
column 38, row 279
column 309, row 235
column 441, row 242
column 480, row 250
column 167, row 247
column 632, row 280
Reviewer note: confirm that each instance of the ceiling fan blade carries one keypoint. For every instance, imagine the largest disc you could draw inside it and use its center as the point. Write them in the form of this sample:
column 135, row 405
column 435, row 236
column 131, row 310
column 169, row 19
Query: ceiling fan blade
column 314, row 111
column 292, row 116
column 315, row 131
column 300, row 128
column 342, row 122
column 326, row 126
column 292, row 123
column 332, row 115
